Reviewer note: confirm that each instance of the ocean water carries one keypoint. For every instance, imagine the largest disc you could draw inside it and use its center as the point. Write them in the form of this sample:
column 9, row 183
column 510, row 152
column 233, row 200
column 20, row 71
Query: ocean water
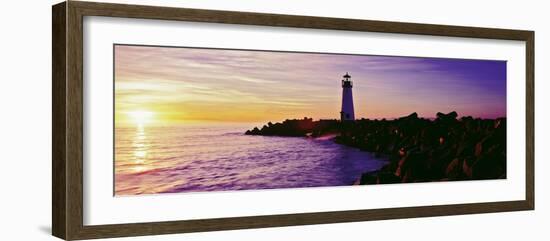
column 219, row 157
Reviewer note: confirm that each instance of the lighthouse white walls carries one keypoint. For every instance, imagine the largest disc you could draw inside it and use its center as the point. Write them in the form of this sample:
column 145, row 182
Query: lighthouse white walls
column 347, row 112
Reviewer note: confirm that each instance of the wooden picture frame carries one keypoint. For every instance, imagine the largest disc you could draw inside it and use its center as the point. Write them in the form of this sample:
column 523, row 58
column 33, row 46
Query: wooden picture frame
column 67, row 124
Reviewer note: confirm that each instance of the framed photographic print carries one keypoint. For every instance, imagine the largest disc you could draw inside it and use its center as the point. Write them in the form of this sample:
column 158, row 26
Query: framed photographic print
column 171, row 120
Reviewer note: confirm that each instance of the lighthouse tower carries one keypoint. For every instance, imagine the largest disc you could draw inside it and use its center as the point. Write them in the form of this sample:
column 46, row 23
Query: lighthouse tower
column 347, row 113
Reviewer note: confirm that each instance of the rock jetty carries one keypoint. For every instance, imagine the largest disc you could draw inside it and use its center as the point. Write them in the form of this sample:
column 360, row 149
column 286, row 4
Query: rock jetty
column 446, row 148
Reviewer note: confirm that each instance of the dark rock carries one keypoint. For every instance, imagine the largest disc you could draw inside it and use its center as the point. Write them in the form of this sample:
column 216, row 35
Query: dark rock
column 387, row 178
column 368, row 178
column 454, row 169
column 447, row 117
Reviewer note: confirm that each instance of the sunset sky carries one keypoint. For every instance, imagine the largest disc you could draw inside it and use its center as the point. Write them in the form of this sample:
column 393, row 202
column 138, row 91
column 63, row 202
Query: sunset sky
column 166, row 84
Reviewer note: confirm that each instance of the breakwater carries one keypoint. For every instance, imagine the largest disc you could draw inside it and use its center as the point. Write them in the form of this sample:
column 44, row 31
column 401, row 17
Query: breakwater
column 446, row 148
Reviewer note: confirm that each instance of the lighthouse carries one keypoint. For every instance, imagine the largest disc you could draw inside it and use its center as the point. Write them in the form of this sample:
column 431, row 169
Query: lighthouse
column 347, row 113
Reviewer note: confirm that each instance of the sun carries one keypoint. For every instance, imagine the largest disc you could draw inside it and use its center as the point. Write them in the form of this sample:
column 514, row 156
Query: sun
column 141, row 117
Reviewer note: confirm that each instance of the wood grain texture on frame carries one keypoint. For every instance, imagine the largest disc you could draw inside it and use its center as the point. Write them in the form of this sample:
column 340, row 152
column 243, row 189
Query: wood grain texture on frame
column 67, row 121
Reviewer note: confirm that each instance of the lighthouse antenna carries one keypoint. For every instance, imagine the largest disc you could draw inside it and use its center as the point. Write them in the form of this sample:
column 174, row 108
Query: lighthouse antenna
column 347, row 76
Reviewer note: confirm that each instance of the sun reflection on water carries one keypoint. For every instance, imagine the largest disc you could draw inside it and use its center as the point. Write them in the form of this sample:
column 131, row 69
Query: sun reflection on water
column 141, row 147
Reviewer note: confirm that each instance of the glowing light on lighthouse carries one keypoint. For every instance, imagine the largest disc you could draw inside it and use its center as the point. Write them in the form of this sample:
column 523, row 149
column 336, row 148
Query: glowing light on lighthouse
column 347, row 113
